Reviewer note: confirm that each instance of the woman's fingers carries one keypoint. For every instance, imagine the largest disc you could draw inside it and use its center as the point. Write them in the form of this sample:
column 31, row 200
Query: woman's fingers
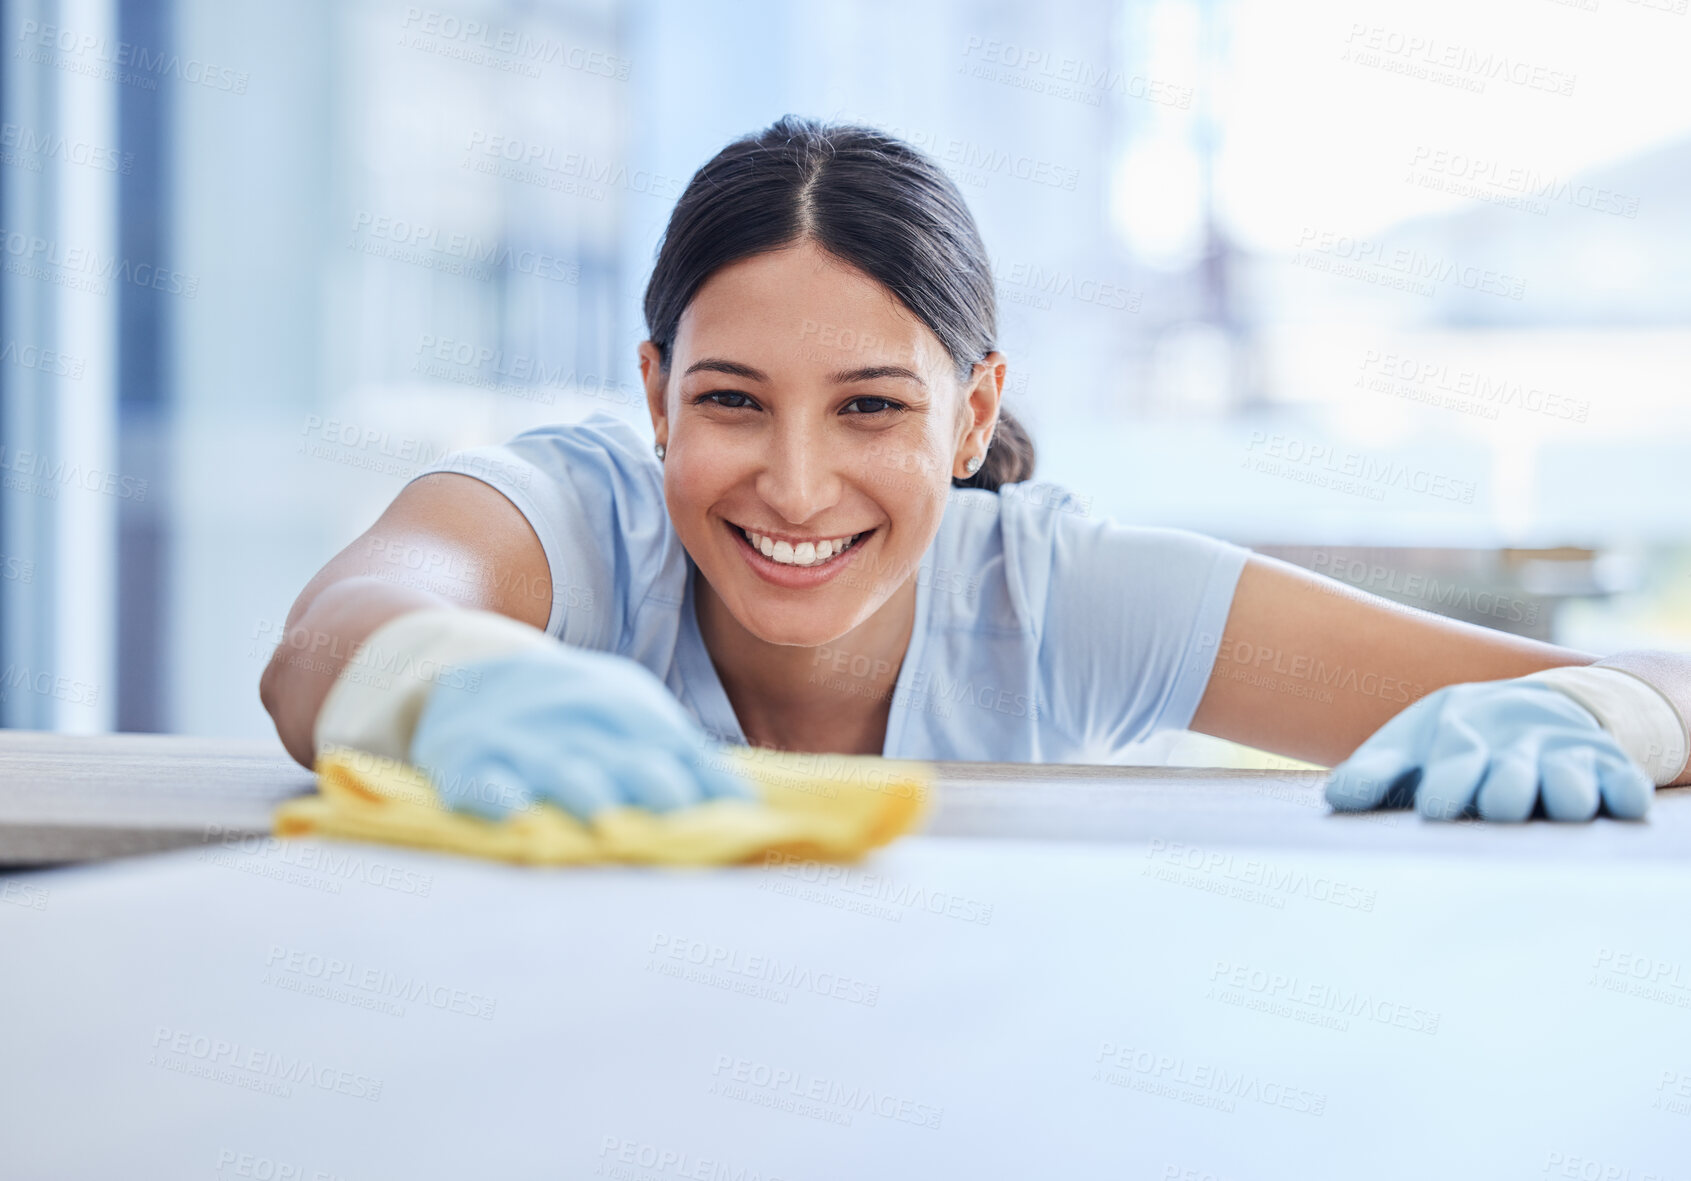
column 1568, row 781
column 488, row 787
column 1372, row 779
column 1626, row 789
column 1455, row 765
column 578, row 783
column 654, row 779
column 1510, row 786
column 582, row 771
column 566, row 767
column 1383, row 772
column 1493, row 749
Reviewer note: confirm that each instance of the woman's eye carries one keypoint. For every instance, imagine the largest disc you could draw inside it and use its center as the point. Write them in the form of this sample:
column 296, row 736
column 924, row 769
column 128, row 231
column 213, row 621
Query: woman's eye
column 714, row 394
column 714, row 398
column 886, row 403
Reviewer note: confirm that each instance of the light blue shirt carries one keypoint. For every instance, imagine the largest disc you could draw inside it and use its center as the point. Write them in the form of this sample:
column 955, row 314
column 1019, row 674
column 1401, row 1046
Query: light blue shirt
column 1042, row 635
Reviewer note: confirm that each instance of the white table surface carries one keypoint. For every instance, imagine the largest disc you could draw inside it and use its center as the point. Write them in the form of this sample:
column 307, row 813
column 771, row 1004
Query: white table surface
column 1132, row 1008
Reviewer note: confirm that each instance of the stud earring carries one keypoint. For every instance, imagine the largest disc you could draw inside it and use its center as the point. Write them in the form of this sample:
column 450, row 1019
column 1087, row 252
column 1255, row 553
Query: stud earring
column 973, row 465
column 658, row 447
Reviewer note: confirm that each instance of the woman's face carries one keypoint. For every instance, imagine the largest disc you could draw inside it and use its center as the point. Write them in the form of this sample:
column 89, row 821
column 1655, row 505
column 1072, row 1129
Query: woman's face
column 803, row 403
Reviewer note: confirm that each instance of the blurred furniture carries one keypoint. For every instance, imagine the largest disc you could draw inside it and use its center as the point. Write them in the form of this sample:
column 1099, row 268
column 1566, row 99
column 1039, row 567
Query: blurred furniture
column 1512, row 590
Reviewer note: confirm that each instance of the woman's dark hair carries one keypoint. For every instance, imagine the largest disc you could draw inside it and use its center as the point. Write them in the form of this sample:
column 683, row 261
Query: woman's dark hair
column 870, row 200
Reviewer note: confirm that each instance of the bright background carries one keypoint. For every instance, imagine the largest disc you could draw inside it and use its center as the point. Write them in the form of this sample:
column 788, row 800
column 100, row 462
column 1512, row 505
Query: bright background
column 1441, row 247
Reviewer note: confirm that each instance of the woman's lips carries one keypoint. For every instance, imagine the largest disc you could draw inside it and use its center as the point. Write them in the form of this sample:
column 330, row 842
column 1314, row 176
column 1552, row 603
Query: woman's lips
column 796, row 577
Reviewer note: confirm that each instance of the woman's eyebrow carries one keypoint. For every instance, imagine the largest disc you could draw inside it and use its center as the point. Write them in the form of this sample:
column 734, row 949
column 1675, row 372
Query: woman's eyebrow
column 876, row 372
column 843, row 377
column 733, row 368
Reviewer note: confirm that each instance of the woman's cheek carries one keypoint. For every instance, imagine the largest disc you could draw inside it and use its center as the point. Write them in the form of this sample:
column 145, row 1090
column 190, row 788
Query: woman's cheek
column 900, row 468
column 693, row 481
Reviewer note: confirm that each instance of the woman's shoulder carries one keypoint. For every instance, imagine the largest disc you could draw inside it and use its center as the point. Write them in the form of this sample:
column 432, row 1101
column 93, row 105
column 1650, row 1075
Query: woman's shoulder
column 1055, row 521
column 995, row 551
column 593, row 492
column 602, row 459
column 601, row 437
column 1047, row 548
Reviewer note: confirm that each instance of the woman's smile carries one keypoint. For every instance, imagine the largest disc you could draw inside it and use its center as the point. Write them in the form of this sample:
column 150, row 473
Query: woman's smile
column 807, row 564
column 797, row 551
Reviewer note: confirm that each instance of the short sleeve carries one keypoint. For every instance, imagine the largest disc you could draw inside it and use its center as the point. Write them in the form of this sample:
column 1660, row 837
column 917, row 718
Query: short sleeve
column 1132, row 616
column 593, row 493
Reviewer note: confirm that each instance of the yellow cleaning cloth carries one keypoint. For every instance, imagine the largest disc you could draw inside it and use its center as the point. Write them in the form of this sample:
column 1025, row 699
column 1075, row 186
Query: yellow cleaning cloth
column 822, row 806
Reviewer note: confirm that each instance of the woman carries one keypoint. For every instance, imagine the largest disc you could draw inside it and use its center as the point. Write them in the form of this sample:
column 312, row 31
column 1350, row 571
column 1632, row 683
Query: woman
column 838, row 547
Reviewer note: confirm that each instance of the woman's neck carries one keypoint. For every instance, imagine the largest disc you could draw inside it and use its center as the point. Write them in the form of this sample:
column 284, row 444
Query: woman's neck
column 835, row 699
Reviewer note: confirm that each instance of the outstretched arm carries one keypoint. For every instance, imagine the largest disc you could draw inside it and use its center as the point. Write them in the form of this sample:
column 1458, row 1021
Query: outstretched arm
column 1309, row 667
column 462, row 540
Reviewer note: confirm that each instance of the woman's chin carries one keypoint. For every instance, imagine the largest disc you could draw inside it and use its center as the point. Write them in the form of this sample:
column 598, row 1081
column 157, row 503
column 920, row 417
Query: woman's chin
column 808, row 618
column 795, row 625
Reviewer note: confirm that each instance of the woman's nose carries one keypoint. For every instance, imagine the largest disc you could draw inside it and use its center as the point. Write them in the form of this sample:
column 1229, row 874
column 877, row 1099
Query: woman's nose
column 802, row 476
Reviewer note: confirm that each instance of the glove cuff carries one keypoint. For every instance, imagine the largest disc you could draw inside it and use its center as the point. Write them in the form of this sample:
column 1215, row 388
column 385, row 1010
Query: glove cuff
column 1640, row 718
column 375, row 701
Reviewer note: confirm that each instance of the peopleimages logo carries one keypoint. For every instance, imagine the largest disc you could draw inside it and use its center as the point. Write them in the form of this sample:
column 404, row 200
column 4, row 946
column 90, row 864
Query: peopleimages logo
column 46, row 145
column 1433, row 59
column 138, row 61
column 1480, row 176
column 1323, row 465
column 1353, row 257
column 453, row 252
column 634, row 1160
column 46, row 361
column 1277, row 882
column 344, row 979
column 1375, row 578
column 45, row 684
column 1037, row 286
column 1468, row 390
column 48, row 475
column 844, row 1099
column 1062, row 76
column 878, row 887
column 324, row 860
column 759, row 968
column 372, row 659
column 84, row 269
column 529, row 160
column 1203, row 1084
column 505, row 48
column 252, row 1067
column 1316, row 1002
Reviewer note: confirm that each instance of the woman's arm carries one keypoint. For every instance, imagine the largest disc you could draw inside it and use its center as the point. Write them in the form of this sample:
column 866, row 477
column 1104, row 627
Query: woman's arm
column 446, row 540
column 1309, row 667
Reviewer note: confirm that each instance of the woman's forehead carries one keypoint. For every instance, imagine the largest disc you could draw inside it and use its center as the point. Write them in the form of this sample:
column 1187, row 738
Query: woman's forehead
column 799, row 305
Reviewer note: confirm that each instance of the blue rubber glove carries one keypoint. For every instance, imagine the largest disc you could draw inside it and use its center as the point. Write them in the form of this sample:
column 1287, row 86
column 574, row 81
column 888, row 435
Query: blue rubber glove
column 581, row 729
column 1493, row 748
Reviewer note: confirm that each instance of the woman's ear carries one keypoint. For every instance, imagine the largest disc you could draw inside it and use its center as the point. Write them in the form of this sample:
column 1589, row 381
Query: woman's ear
column 980, row 405
column 656, row 381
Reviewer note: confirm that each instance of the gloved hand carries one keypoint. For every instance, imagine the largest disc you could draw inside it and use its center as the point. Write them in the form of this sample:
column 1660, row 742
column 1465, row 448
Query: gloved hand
column 1496, row 747
column 582, row 729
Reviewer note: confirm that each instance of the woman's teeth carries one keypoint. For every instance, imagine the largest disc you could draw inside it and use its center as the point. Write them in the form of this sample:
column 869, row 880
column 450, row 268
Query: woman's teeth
column 805, row 553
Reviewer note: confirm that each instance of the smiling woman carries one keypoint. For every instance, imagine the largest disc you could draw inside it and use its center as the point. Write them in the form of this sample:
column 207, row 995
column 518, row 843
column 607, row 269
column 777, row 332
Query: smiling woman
column 839, row 547
column 860, row 198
